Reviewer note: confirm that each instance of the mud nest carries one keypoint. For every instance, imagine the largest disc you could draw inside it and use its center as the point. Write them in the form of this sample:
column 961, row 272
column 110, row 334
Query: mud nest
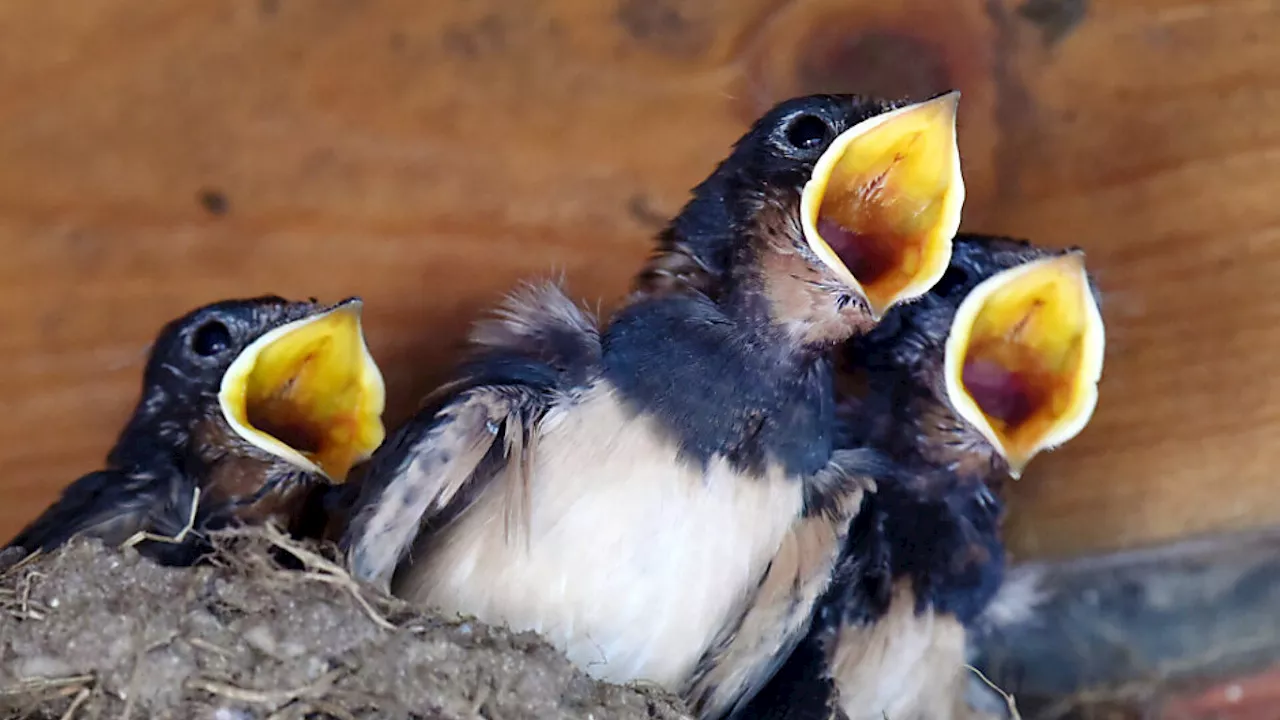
column 272, row 629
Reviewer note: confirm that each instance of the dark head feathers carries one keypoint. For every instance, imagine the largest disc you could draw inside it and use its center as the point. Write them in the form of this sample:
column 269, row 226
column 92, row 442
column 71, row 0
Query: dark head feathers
column 187, row 362
column 776, row 155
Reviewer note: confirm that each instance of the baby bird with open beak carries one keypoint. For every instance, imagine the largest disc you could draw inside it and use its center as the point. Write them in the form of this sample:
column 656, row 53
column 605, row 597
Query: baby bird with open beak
column 247, row 406
column 997, row 363
column 661, row 497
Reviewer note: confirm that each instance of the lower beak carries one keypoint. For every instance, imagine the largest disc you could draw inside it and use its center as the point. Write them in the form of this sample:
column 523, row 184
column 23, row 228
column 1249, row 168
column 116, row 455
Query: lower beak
column 309, row 392
column 1024, row 357
column 884, row 202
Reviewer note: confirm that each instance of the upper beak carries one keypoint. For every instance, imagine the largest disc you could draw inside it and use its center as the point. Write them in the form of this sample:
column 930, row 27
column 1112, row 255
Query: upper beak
column 1024, row 357
column 884, row 202
column 309, row 392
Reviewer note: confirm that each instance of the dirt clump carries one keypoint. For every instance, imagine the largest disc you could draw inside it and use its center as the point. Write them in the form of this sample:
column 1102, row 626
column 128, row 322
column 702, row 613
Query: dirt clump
column 91, row 631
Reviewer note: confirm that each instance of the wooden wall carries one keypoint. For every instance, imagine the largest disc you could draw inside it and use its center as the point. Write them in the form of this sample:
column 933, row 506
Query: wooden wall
column 155, row 156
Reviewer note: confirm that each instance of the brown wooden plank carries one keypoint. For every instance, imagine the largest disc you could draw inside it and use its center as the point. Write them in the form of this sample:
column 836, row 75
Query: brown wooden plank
column 426, row 155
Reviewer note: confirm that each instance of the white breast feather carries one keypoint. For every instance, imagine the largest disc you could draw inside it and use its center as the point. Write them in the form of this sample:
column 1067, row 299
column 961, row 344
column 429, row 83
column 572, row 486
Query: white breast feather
column 633, row 560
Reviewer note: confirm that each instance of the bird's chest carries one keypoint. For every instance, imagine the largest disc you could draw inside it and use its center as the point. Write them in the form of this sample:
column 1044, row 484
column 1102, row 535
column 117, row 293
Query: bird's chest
column 242, row 483
column 905, row 665
column 255, row 492
column 623, row 555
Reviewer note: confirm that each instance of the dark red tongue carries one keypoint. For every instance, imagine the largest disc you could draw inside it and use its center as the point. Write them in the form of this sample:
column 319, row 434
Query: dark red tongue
column 280, row 417
column 868, row 257
column 1004, row 395
column 285, row 422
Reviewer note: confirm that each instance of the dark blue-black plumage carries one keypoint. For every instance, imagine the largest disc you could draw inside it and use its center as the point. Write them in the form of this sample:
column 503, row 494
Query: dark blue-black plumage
column 723, row 388
column 934, row 519
column 721, row 358
column 174, row 440
column 698, row 347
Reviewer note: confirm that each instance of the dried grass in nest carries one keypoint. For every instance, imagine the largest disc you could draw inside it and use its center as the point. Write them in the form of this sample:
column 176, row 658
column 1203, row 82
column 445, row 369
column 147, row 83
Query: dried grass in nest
column 1011, row 705
column 96, row 632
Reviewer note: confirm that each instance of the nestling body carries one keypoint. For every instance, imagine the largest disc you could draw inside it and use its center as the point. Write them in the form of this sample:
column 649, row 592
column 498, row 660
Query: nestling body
column 661, row 496
column 924, row 558
column 226, row 390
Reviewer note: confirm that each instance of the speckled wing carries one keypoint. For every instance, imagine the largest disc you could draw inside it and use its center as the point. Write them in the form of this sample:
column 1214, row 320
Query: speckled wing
column 778, row 617
column 113, row 506
column 472, row 430
column 436, row 465
column 801, row 686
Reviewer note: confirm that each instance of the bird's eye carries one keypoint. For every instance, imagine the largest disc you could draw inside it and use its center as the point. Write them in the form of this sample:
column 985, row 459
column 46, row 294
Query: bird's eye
column 808, row 132
column 211, row 339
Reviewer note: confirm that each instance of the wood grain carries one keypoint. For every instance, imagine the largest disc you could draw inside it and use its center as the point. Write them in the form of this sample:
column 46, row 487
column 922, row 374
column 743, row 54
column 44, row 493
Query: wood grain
column 156, row 156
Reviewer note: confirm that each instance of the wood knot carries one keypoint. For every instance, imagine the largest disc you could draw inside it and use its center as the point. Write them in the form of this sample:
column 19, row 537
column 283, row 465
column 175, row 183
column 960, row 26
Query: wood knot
column 880, row 63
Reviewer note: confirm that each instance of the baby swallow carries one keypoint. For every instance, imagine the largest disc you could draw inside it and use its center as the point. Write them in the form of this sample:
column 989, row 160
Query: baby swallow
column 247, row 405
column 661, row 497
column 998, row 362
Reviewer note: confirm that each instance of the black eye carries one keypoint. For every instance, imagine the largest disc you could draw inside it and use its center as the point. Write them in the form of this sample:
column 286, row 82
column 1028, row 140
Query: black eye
column 212, row 338
column 808, row 132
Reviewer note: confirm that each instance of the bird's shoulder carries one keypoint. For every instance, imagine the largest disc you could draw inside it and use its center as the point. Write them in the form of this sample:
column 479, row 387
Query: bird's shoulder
column 113, row 505
column 537, row 333
column 538, row 347
column 719, row 388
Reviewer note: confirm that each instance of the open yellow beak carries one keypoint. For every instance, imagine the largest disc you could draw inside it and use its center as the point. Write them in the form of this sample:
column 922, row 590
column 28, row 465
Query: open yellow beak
column 884, row 202
column 1024, row 357
column 309, row 392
